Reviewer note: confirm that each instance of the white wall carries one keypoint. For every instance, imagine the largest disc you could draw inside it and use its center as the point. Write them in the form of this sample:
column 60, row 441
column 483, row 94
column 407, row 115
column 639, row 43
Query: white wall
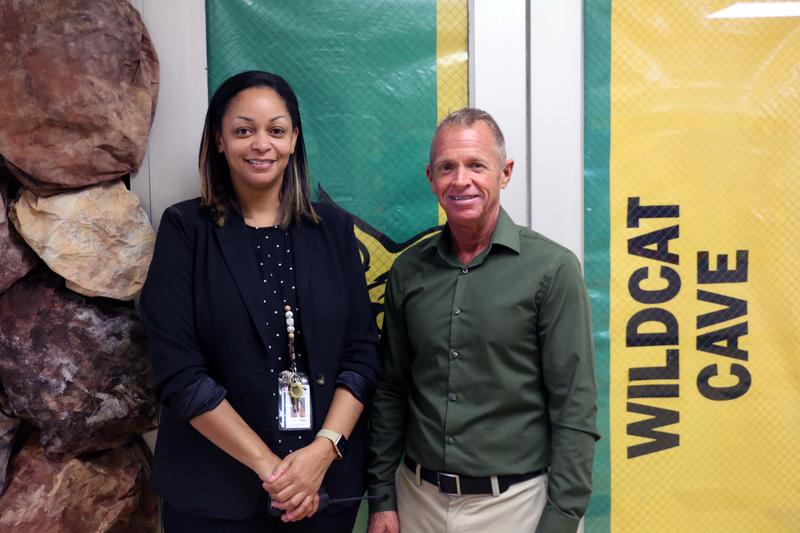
column 556, row 103
column 169, row 171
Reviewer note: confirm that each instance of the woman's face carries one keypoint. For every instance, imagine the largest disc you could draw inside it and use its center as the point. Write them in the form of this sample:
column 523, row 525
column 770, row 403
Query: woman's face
column 257, row 138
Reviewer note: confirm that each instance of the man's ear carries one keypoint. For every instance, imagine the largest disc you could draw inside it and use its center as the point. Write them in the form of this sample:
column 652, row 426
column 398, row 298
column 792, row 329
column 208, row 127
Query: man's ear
column 429, row 176
column 505, row 174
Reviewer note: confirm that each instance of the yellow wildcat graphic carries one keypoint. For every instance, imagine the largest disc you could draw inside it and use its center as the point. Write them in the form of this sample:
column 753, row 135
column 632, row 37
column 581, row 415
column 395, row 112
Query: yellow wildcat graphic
column 378, row 252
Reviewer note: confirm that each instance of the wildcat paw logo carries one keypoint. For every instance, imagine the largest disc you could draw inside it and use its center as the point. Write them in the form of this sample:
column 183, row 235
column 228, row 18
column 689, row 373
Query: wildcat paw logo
column 378, row 252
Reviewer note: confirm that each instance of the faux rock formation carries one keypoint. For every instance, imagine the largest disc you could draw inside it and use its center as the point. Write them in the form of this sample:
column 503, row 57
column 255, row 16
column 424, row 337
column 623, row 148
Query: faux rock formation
column 8, row 432
column 75, row 368
column 103, row 492
column 80, row 81
column 16, row 259
column 99, row 239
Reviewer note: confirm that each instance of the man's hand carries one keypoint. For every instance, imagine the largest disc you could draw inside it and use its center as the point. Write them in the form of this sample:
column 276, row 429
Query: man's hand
column 294, row 484
column 384, row 522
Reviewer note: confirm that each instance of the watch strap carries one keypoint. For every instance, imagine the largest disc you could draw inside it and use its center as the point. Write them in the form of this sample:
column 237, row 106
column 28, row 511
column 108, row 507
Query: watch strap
column 334, row 437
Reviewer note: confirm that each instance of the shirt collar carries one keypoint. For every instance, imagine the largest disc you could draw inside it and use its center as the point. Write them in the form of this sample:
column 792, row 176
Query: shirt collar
column 505, row 234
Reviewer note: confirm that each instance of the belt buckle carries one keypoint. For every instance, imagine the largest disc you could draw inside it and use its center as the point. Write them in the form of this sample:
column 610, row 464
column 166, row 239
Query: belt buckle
column 457, row 477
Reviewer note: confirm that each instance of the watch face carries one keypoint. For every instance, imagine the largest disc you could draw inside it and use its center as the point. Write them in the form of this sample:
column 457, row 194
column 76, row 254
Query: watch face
column 341, row 444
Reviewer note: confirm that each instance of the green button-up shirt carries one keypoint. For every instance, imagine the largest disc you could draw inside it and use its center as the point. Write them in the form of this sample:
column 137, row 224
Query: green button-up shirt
column 489, row 368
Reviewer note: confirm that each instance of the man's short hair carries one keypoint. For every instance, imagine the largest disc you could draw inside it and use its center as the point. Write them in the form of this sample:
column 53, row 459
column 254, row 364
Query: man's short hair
column 467, row 117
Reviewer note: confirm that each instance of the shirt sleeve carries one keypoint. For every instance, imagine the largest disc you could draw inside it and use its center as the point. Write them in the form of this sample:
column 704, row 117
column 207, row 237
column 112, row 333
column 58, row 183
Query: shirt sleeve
column 357, row 384
column 567, row 353
column 390, row 408
column 167, row 310
column 199, row 397
column 359, row 369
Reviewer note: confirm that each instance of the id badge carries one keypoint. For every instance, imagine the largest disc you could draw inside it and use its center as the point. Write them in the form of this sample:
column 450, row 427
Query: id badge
column 294, row 402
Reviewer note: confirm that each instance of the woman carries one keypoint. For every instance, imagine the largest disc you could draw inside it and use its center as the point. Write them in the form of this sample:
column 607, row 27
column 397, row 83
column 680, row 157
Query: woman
column 263, row 342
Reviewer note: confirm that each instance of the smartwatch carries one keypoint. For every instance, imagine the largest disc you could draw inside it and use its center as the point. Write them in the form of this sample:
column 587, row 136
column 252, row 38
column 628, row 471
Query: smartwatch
column 338, row 440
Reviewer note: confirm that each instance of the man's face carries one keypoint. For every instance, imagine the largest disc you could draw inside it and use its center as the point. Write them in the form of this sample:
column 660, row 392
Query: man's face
column 466, row 174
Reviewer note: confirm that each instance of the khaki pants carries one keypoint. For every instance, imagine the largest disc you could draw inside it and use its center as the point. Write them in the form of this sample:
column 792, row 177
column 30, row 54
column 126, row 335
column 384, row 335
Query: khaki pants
column 422, row 508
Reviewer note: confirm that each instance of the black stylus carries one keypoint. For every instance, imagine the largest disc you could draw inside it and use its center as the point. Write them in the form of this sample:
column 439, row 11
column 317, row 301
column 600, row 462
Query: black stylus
column 326, row 500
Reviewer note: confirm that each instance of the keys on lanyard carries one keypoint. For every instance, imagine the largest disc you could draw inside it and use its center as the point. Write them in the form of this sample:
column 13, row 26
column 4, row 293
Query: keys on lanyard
column 294, row 390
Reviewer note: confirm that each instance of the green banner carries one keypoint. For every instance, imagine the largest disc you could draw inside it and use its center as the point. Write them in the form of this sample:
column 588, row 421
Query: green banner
column 597, row 135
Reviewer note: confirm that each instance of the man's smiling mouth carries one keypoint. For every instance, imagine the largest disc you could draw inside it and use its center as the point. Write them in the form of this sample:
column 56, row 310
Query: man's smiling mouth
column 462, row 197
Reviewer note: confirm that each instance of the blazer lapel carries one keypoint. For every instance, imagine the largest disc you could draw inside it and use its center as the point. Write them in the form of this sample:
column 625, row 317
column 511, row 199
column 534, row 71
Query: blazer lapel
column 237, row 249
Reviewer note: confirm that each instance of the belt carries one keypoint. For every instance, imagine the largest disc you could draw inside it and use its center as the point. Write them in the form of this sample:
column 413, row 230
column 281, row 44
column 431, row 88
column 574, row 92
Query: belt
column 459, row 484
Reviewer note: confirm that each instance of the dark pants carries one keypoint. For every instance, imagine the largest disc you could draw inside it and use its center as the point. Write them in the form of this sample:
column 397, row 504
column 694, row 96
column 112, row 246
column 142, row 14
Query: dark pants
column 177, row 522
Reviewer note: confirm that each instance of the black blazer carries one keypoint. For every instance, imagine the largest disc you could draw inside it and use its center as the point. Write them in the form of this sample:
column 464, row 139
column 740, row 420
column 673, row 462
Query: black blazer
column 204, row 317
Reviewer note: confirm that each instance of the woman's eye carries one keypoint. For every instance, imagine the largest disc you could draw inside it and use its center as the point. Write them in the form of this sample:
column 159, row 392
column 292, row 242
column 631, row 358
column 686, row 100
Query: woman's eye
column 278, row 131
column 241, row 131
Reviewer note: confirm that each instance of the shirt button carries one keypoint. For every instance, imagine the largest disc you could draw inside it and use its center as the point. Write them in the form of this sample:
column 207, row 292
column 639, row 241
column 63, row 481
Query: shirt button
column 453, row 396
column 464, row 270
column 451, row 440
column 454, row 355
column 457, row 311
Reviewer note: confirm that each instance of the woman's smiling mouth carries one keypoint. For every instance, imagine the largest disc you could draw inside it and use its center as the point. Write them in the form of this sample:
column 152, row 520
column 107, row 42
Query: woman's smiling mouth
column 260, row 163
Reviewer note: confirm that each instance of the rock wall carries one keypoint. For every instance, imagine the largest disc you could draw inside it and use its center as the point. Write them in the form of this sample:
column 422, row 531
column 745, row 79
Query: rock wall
column 79, row 91
column 16, row 259
column 105, row 491
column 99, row 239
column 76, row 368
column 78, row 97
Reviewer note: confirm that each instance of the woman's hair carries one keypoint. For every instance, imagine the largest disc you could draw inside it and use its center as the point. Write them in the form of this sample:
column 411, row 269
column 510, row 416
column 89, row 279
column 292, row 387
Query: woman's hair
column 216, row 188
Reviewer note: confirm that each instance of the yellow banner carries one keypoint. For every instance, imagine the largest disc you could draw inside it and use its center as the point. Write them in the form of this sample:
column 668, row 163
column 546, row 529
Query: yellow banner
column 704, row 194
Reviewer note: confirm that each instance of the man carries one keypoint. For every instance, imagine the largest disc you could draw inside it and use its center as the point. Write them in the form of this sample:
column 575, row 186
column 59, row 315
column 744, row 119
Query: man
column 489, row 398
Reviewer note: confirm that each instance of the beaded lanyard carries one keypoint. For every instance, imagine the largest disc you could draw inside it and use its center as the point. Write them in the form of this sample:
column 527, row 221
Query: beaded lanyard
column 295, row 385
